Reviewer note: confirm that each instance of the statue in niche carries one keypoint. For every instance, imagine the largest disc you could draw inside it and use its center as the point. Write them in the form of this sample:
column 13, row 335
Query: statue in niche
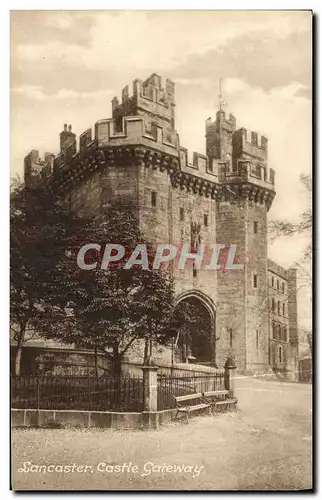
column 195, row 237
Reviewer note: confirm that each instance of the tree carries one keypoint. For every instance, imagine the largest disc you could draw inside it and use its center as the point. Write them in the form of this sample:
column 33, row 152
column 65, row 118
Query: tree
column 281, row 227
column 40, row 231
column 112, row 308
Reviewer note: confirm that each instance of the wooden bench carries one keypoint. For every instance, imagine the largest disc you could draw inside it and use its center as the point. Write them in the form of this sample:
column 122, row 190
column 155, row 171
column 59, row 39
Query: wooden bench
column 219, row 399
column 193, row 402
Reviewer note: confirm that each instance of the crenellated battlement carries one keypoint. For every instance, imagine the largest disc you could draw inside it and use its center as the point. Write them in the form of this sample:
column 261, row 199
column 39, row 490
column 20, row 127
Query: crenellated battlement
column 37, row 168
column 247, row 143
column 133, row 131
column 246, row 171
column 275, row 268
column 201, row 166
column 223, row 120
column 152, row 99
column 142, row 130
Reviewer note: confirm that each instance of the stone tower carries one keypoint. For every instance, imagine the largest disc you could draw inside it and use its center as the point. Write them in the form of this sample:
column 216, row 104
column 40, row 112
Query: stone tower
column 241, row 216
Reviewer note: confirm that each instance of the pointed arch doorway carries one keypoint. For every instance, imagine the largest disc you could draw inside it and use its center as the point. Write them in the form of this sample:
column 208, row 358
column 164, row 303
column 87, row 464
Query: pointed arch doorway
column 196, row 341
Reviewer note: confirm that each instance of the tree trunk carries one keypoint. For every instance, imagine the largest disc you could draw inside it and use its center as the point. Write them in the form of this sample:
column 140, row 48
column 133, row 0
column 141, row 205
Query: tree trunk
column 146, row 351
column 17, row 366
column 95, row 362
column 116, row 362
column 150, row 353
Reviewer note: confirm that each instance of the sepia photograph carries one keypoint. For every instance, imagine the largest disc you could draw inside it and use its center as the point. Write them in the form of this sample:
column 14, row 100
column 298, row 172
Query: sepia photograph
column 161, row 250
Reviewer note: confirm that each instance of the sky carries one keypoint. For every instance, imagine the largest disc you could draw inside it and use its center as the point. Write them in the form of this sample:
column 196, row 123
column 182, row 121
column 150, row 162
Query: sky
column 66, row 66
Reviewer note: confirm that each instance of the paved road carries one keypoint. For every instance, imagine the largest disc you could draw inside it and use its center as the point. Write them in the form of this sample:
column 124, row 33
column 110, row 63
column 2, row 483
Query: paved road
column 265, row 446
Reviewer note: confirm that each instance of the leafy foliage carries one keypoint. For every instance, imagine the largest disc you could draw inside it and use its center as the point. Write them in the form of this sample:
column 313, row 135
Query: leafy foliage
column 113, row 308
column 40, row 232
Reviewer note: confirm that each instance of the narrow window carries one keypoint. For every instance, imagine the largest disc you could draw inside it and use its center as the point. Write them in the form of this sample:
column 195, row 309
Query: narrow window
column 283, row 308
column 194, row 271
column 278, row 284
column 257, row 340
column 283, row 287
column 231, row 337
column 255, row 227
column 255, row 280
column 280, row 354
column 205, row 220
column 273, row 304
column 154, row 199
column 181, row 214
column 279, row 332
column 278, row 307
column 274, row 330
column 273, row 281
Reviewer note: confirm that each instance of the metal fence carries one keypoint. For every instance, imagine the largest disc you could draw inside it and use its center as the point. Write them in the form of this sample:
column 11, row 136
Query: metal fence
column 187, row 384
column 77, row 393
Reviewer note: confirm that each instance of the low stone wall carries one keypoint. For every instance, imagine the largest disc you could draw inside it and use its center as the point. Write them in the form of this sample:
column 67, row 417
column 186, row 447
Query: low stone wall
column 178, row 369
column 90, row 419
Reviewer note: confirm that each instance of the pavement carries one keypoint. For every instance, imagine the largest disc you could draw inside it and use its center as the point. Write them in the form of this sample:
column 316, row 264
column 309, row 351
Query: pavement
column 265, row 445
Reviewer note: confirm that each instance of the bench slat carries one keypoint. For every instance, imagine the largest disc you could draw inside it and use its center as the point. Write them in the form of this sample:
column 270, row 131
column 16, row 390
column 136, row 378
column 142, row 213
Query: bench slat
column 188, row 396
column 226, row 402
column 210, row 394
column 198, row 407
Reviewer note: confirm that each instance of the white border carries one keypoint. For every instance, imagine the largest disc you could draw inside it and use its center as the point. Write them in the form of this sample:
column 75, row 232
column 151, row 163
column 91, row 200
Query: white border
column 5, row 7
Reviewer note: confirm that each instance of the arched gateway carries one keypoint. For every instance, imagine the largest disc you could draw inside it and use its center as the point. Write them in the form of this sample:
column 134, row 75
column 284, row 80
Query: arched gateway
column 196, row 342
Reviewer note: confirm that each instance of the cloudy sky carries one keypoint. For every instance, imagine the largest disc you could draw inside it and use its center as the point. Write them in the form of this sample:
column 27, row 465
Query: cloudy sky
column 67, row 66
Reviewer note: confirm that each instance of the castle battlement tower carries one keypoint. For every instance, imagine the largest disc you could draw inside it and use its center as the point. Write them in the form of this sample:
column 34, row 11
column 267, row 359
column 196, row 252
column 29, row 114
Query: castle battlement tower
column 222, row 197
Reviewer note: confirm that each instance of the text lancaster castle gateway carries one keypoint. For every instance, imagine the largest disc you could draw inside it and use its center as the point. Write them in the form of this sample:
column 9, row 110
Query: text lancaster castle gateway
column 222, row 197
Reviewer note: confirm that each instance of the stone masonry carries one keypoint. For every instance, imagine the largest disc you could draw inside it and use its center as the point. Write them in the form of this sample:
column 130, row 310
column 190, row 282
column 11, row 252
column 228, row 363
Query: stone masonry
column 223, row 197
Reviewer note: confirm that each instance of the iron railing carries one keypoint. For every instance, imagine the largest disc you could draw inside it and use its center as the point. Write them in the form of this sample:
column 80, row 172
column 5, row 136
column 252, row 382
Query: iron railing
column 168, row 386
column 77, row 393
